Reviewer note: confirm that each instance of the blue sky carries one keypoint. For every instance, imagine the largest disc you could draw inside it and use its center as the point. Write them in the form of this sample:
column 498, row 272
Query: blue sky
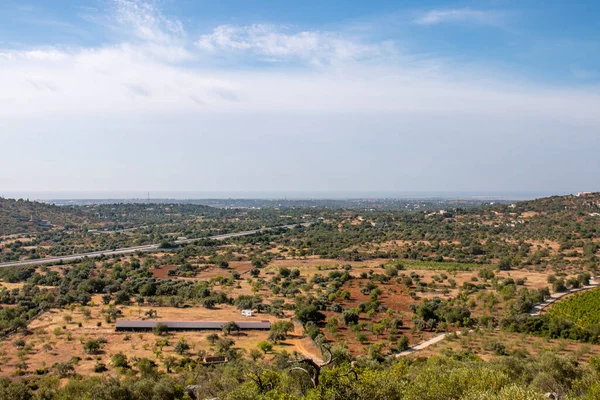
column 436, row 96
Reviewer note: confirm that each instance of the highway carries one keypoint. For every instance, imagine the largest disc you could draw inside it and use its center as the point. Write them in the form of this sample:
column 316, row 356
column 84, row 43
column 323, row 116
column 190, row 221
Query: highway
column 147, row 247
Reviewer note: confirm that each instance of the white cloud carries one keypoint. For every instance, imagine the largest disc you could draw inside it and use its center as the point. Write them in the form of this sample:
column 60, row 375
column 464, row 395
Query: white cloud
column 131, row 79
column 278, row 43
column 155, row 99
column 147, row 22
column 39, row 55
column 482, row 17
column 161, row 71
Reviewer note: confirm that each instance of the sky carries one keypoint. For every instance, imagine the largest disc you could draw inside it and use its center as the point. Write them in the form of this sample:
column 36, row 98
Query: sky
column 487, row 96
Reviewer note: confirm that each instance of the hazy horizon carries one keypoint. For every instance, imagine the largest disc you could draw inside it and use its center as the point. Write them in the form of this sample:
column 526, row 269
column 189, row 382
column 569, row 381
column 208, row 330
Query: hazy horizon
column 265, row 195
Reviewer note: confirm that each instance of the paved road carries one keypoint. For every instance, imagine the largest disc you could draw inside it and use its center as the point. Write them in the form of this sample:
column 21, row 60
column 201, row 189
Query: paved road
column 148, row 247
column 423, row 345
column 554, row 297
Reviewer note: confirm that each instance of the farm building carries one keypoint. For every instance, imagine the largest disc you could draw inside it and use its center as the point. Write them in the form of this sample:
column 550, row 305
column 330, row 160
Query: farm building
column 189, row 325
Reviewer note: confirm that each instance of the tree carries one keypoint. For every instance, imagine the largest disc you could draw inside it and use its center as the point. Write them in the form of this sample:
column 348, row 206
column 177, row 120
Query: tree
column 160, row 329
column 182, row 346
column 230, row 326
column 209, row 302
column 111, row 313
column 280, row 329
column 255, row 354
column 147, row 368
column 504, row 264
column 350, row 316
column 212, row 338
column 223, row 345
column 119, row 360
column 100, row 367
column 391, row 271
column 308, row 313
column 315, row 367
column 378, row 329
column 167, row 245
column 92, row 346
column 559, row 286
column 265, row 346
column 403, row 343
column 64, row 370
column 122, row 297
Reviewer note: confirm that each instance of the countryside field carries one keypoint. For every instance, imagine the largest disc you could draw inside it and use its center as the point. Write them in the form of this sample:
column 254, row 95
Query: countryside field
column 339, row 294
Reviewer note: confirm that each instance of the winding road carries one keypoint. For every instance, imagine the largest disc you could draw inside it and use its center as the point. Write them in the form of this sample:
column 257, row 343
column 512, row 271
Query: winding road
column 554, row 297
column 536, row 310
column 146, row 248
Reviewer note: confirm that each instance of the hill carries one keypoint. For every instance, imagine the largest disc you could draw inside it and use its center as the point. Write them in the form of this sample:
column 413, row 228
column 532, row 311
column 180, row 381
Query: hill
column 23, row 216
column 580, row 203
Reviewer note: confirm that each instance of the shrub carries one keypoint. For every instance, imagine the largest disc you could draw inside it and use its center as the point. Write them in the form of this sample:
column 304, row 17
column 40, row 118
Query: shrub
column 92, row 346
column 100, row 367
column 119, row 360
column 160, row 329
column 265, row 346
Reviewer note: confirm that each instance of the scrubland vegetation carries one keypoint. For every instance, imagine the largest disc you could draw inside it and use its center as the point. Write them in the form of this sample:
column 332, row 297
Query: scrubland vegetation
column 345, row 296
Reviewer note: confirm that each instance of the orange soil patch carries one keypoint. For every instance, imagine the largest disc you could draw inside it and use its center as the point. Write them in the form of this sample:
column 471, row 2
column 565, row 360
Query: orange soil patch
column 394, row 296
column 162, row 272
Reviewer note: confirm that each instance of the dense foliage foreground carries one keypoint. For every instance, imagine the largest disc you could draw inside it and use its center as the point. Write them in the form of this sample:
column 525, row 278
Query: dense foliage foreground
column 442, row 377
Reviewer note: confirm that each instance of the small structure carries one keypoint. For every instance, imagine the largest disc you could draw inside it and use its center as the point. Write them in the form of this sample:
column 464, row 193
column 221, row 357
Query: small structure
column 248, row 313
column 40, row 222
column 214, row 359
column 189, row 325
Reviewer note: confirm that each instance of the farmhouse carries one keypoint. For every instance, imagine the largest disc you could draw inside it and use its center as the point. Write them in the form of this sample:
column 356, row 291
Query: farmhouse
column 40, row 222
column 189, row 325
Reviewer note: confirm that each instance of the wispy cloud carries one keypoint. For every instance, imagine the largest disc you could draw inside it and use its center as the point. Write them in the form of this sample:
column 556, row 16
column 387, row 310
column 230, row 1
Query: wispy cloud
column 147, row 22
column 280, row 43
column 464, row 15
column 152, row 62
column 354, row 99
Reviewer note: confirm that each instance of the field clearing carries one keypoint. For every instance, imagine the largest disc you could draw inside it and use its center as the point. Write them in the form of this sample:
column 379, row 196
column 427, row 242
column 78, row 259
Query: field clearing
column 57, row 337
column 8, row 240
column 11, row 286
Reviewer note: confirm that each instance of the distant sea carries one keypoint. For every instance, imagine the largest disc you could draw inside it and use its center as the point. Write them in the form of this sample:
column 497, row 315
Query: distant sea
column 289, row 195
